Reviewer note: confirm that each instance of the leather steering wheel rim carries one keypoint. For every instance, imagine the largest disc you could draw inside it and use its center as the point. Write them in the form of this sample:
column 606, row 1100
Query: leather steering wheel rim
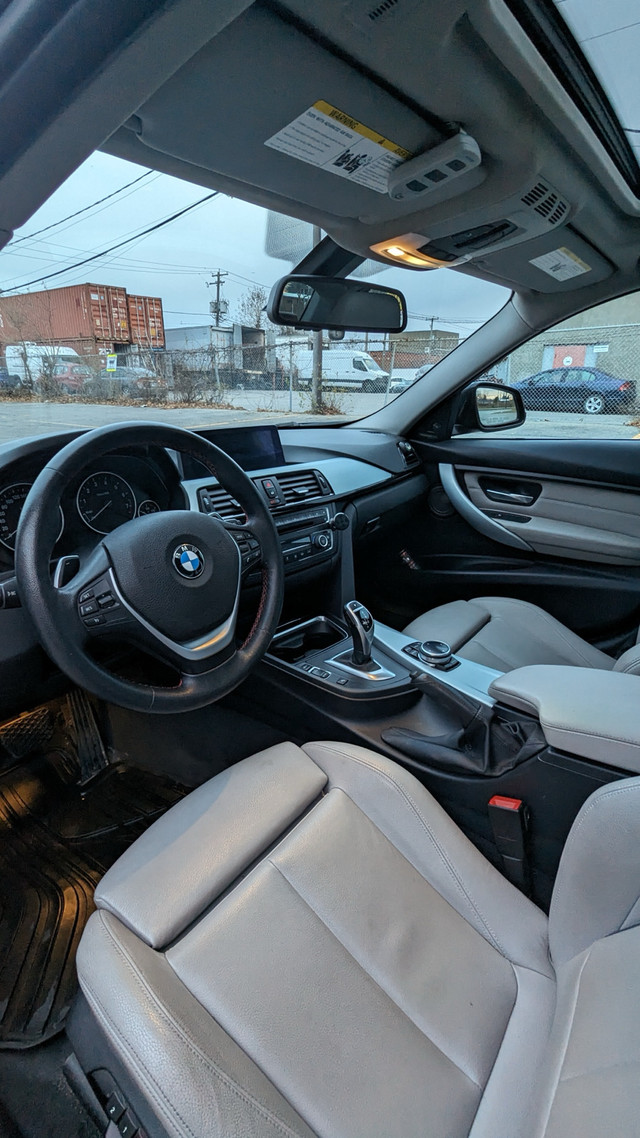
column 55, row 611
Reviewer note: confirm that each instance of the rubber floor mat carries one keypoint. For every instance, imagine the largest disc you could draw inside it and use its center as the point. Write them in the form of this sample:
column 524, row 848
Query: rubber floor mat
column 56, row 841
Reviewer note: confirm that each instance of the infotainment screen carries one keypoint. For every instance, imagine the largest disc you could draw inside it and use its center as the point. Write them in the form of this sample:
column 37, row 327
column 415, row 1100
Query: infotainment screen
column 253, row 448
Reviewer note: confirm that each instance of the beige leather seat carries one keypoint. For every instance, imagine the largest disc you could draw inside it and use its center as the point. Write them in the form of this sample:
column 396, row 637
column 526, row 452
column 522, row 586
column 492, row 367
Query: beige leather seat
column 504, row 634
column 308, row 945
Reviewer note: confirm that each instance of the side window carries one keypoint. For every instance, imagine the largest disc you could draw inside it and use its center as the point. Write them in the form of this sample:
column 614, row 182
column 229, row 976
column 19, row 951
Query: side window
column 358, row 364
column 581, row 378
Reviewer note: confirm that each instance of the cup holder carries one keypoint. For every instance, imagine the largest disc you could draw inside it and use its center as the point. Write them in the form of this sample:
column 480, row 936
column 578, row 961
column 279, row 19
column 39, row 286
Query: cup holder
column 300, row 640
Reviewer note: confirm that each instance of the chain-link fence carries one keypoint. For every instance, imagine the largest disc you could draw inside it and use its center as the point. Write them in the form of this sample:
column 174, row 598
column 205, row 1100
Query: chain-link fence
column 272, row 374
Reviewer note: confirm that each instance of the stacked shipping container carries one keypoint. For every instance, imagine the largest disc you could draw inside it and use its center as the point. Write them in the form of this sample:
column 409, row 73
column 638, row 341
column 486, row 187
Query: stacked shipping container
column 89, row 317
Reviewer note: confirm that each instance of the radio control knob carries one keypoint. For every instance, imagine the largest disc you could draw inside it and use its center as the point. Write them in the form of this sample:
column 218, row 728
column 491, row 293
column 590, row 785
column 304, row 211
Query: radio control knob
column 321, row 540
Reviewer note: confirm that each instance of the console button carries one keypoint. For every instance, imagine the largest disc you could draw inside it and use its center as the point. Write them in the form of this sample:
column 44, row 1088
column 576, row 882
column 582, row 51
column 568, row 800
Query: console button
column 93, row 621
column 115, row 1107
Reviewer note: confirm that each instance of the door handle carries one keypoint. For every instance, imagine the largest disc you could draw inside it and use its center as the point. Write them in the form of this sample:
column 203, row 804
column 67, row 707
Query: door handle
column 511, row 497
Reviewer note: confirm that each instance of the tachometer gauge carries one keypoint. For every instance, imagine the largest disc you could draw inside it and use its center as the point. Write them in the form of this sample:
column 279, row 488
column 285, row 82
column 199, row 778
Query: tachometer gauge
column 148, row 507
column 12, row 499
column 105, row 501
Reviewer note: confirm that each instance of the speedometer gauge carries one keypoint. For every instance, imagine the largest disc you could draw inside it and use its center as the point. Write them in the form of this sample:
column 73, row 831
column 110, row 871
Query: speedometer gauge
column 105, row 501
column 12, row 499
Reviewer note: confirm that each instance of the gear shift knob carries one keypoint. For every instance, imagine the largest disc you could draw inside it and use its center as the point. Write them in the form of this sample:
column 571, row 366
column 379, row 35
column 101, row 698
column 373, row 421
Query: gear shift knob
column 361, row 625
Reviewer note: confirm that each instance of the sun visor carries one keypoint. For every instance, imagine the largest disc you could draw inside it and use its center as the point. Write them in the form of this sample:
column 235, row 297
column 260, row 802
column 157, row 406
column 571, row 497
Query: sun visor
column 311, row 127
column 558, row 262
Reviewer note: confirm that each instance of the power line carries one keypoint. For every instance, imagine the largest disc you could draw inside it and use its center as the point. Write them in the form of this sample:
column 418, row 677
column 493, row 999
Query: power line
column 55, row 224
column 119, row 245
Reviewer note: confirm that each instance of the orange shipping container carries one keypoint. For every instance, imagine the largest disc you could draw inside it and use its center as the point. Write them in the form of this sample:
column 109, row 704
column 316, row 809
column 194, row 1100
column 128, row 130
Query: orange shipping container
column 146, row 321
column 98, row 312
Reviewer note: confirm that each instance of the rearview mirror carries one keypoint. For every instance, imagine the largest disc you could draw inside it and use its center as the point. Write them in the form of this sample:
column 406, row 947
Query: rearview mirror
column 498, row 407
column 335, row 304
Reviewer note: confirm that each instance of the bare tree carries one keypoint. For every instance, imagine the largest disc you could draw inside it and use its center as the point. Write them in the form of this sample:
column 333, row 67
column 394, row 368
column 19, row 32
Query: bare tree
column 251, row 307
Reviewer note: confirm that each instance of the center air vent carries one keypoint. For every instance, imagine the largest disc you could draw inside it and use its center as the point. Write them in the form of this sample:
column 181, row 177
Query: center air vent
column 302, row 484
column 546, row 202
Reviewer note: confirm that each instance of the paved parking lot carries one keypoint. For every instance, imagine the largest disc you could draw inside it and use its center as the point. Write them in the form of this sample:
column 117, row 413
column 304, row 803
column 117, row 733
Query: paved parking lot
column 21, row 419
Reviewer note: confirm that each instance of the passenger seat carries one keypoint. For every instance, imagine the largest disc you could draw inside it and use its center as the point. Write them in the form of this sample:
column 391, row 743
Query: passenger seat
column 504, row 634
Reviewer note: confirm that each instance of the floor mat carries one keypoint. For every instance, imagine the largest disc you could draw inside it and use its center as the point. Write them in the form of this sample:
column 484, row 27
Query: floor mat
column 56, row 841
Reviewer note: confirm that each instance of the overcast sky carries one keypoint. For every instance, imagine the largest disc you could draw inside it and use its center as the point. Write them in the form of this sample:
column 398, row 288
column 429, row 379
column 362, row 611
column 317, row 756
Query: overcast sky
column 176, row 262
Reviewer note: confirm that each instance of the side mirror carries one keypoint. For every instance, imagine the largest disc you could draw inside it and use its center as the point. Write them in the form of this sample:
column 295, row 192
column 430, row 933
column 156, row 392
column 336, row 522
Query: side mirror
column 336, row 304
column 498, row 406
column 490, row 407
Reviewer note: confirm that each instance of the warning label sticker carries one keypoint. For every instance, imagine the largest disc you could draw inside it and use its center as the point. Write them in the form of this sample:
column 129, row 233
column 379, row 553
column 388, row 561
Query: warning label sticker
column 561, row 264
column 326, row 137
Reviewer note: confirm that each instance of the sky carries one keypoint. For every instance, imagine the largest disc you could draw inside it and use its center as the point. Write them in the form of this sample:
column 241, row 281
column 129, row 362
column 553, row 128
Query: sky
column 177, row 261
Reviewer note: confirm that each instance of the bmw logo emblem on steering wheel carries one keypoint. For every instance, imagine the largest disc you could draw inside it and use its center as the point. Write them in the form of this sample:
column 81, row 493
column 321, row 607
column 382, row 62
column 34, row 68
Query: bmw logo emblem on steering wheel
column 188, row 560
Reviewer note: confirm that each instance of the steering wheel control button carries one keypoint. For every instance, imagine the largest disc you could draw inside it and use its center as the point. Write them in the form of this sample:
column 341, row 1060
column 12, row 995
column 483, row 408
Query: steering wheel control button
column 188, row 560
column 88, row 608
column 106, row 600
column 86, row 596
column 9, row 598
column 93, row 621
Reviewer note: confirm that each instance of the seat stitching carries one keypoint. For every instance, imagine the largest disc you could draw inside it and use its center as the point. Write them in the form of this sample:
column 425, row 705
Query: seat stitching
column 330, row 928
column 569, row 1025
column 407, row 797
column 182, row 1032
column 163, row 1104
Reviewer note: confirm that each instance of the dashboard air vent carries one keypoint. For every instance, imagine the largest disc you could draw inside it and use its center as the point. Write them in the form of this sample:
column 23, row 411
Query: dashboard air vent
column 302, row 484
column 382, row 9
column 546, row 202
column 215, row 500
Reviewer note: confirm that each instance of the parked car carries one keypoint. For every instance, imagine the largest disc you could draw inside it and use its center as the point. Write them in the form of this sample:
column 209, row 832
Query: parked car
column 132, row 382
column 576, row 389
column 402, row 378
column 69, row 377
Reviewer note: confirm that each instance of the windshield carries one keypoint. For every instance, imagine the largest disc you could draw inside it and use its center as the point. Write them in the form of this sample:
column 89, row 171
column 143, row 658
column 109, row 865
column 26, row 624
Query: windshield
column 133, row 294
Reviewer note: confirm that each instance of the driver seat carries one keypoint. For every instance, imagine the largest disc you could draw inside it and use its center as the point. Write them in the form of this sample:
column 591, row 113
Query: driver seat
column 307, row 945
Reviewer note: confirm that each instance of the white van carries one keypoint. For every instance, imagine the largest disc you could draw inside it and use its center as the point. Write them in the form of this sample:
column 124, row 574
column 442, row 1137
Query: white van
column 26, row 362
column 340, row 368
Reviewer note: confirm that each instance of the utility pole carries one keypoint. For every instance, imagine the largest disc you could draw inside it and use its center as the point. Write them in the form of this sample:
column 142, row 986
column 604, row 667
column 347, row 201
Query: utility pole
column 218, row 306
column 316, row 365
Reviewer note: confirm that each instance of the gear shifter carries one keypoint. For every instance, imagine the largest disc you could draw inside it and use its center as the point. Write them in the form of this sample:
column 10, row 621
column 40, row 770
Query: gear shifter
column 361, row 625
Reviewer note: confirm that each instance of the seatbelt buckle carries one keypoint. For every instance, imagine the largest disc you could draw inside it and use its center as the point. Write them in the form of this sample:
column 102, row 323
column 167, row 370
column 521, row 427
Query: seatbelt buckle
column 510, row 823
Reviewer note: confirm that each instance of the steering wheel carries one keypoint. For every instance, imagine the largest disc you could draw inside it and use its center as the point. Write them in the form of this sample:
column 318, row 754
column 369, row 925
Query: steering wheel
column 168, row 582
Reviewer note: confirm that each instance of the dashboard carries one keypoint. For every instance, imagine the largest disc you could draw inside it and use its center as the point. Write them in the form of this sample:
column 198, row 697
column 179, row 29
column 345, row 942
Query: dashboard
column 306, row 475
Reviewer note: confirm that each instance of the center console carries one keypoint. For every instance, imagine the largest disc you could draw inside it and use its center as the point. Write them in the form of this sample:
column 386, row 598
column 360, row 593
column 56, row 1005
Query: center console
column 324, row 651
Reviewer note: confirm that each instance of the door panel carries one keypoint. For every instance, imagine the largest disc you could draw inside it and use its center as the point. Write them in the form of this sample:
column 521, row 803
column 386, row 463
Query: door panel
column 567, row 519
column 576, row 555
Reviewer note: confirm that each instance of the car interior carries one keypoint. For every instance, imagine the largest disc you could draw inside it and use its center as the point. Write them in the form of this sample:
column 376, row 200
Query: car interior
column 319, row 742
